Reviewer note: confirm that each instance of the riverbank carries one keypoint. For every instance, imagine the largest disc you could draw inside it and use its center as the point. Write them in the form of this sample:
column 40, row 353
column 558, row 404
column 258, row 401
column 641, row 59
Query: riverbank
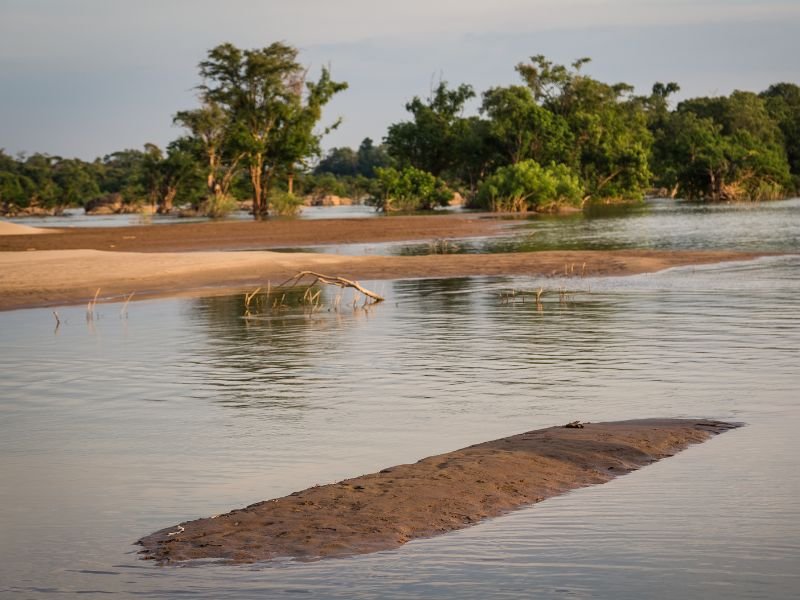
column 57, row 277
column 384, row 510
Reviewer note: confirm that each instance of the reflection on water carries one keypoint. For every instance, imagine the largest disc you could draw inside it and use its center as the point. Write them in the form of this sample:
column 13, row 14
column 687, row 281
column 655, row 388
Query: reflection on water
column 187, row 409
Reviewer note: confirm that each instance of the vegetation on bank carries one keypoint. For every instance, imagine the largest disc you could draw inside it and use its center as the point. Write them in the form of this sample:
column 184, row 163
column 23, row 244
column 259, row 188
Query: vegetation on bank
column 558, row 138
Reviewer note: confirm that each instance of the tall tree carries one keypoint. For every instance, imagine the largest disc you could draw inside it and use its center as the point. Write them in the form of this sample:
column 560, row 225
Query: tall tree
column 612, row 142
column 214, row 131
column 271, row 109
column 521, row 129
column 783, row 105
column 426, row 142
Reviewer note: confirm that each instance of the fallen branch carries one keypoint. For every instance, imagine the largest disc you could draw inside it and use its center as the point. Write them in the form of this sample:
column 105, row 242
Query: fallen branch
column 331, row 280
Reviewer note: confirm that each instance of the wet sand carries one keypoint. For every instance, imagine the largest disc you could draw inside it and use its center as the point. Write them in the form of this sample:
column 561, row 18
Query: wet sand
column 384, row 510
column 253, row 235
column 59, row 277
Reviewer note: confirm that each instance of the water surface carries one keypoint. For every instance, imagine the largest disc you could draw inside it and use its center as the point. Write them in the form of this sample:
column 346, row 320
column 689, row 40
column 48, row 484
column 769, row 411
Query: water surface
column 657, row 224
column 114, row 428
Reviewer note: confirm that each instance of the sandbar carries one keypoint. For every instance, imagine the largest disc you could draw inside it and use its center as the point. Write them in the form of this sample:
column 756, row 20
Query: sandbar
column 9, row 228
column 62, row 277
column 382, row 511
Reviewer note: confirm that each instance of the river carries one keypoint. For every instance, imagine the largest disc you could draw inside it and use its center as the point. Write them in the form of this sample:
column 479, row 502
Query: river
column 181, row 408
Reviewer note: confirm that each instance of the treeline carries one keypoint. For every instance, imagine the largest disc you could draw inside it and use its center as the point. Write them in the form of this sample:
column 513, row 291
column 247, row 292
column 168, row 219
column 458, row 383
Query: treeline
column 561, row 138
column 558, row 138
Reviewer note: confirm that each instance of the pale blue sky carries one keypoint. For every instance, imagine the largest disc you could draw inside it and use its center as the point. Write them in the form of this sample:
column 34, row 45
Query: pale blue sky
column 88, row 77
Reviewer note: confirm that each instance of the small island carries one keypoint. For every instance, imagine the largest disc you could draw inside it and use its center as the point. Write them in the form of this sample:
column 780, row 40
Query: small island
column 451, row 491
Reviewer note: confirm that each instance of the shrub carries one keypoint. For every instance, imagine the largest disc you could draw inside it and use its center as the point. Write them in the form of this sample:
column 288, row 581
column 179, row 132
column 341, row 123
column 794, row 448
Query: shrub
column 284, row 204
column 409, row 189
column 220, row 206
column 527, row 185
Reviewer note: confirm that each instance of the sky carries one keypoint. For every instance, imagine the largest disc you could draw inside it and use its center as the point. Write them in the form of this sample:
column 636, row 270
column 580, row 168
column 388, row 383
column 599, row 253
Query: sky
column 88, row 77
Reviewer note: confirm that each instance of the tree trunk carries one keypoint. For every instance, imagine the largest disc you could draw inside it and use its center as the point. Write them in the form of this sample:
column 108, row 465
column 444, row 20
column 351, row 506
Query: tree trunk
column 166, row 202
column 211, row 183
column 265, row 189
column 291, row 183
column 255, row 180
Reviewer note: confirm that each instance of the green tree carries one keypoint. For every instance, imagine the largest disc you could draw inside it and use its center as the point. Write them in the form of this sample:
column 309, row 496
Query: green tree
column 123, row 173
column 426, row 142
column 296, row 140
column 76, row 182
column 521, row 129
column 339, row 161
column 39, row 185
column 270, row 107
column 783, row 104
column 214, row 133
column 12, row 185
column 369, row 157
column 725, row 148
column 609, row 127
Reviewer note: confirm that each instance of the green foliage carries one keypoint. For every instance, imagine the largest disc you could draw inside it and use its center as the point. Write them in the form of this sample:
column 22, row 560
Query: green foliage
column 521, row 129
column 12, row 191
column 611, row 142
column 346, row 162
column 218, row 206
column 409, row 189
column 339, row 161
column 725, row 148
column 426, row 142
column 527, row 185
column 783, row 105
column 255, row 134
column 264, row 113
column 284, row 204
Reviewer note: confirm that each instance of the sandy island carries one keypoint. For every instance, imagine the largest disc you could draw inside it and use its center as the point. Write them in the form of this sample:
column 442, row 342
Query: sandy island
column 68, row 266
column 441, row 493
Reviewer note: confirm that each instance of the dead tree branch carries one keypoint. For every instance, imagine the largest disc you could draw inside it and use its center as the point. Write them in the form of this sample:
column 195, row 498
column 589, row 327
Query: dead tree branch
column 331, row 280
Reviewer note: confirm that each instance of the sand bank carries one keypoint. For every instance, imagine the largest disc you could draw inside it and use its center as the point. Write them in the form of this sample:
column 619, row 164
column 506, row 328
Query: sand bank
column 441, row 493
column 8, row 228
column 58, row 277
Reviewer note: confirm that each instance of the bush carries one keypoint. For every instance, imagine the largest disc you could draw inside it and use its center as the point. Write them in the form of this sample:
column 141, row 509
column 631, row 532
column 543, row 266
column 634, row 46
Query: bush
column 217, row 207
column 284, row 204
column 529, row 186
column 409, row 189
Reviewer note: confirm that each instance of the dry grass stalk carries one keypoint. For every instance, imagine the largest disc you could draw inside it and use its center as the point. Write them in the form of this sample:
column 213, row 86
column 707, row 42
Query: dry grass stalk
column 91, row 305
column 124, row 311
column 249, row 297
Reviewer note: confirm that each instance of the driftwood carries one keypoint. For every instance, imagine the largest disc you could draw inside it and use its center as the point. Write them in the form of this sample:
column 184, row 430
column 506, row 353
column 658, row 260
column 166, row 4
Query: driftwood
column 332, row 280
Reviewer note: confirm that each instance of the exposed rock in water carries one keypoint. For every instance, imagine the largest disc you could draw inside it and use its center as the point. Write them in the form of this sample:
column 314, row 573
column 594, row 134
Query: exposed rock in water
column 441, row 493
column 327, row 200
